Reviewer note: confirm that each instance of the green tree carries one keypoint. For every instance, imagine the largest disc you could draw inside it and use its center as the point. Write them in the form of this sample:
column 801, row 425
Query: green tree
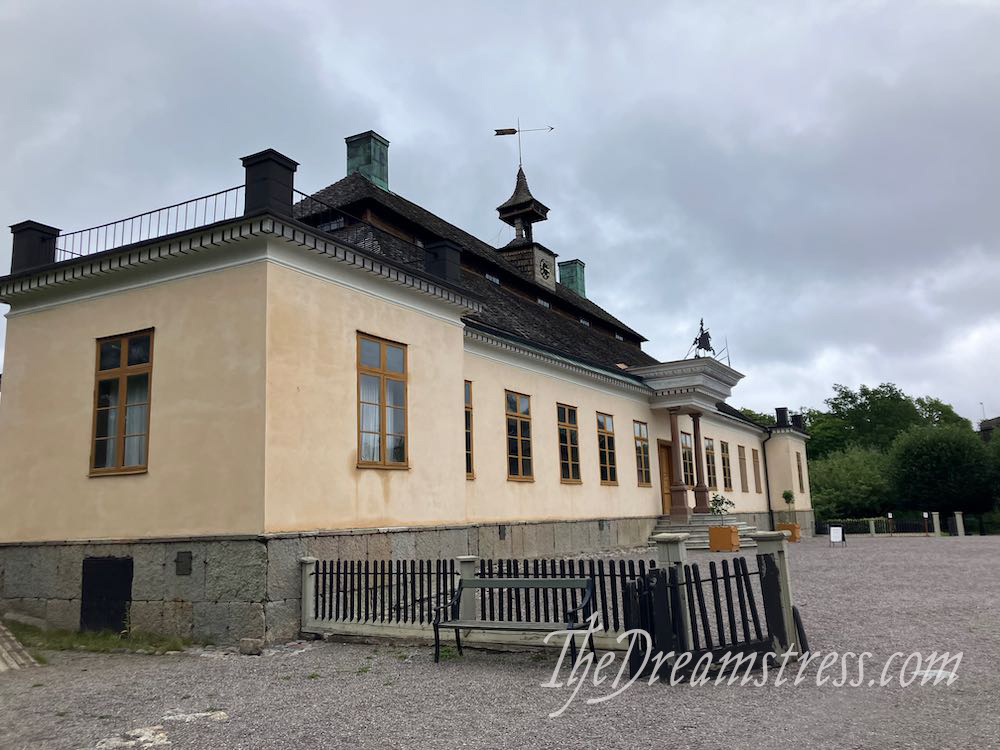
column 935, row 412
column 758, row 417
column 941, row 468
column 850, row 483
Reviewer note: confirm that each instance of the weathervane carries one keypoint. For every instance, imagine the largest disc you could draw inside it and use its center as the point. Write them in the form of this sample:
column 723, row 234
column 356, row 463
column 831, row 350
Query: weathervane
column 702, row 344
column 517, row 131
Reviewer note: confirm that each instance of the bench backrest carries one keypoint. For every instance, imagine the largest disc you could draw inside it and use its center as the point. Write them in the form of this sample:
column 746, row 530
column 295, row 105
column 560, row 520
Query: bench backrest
column 525, row 583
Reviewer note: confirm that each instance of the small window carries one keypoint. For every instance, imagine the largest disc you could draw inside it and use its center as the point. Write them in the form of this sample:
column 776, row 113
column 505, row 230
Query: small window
column 518, row 412
column 744, row 485
column 687, row 458
column 469, row 467
column 120, row 439
column 727, row 469
column 713, row 481
column 494, row 279
column 619, row 337
column 756, row 470
column 798, row 464
column 569, row 444
column 381, row 403
column 606, row 448
column 641, row 433
column 585, row 322
column 543, row 303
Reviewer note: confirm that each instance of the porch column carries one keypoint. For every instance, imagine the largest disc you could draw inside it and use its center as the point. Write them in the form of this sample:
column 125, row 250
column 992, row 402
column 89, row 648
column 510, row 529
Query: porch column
column 679, row 511
column 700, row 489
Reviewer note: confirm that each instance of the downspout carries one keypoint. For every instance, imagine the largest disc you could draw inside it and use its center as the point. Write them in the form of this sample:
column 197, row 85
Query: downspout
column 767, row 477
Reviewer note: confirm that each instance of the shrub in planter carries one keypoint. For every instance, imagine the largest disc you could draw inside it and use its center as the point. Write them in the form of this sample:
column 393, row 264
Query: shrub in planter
column 722, row 538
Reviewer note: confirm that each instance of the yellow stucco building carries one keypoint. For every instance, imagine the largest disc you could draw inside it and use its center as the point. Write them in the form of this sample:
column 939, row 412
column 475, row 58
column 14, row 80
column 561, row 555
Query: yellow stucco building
column 211, row 390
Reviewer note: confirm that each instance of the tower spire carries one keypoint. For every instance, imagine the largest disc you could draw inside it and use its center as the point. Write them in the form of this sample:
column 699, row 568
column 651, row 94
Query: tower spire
column 522, row 209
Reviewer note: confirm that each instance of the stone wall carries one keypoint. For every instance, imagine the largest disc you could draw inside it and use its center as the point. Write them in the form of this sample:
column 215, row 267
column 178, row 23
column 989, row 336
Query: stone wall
column 250, row 587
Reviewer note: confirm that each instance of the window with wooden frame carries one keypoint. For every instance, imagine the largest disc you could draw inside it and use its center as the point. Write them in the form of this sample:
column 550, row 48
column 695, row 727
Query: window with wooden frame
column 518, row 412
column 744, row 485
column 727, row 469
column 687, row 458
column 641, row 432
column 606, row 448
column 382, row 377
column 569, row 444
column 124, row 371
column 756, row 470
column 713, row 480
column 469, row 466
column 798, row 464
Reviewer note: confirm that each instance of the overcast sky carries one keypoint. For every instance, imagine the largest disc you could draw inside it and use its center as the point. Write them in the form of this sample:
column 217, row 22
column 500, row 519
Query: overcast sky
column 819, row 181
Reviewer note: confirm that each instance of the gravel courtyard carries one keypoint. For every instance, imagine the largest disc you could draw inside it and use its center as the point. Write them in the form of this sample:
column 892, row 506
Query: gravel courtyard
column 878, row 595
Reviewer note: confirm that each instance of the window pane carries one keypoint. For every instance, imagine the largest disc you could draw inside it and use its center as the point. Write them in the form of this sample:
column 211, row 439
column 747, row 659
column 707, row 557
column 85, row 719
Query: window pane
column 563, row 436
column 526, row 448
column 137, row 389
column 561, row 413
column 369, row 418
column 371, row 354
column 111, row 355
column 371, row 389
column 601, row 443
column 393, row 358
column 512, row 467
column 563, row 453
column 511, row 427
column 609, row 421
column 468, row 420
column 138, row 350
column 600, row 422
column 511, row 446
column 107, row 420
column 573, row 438
column 525, row 429
column 611, row 445
column 526, row 467
column 135, row 451
column 395, row 447
column 395, row 421
column 468, row 393
column 104, row 454
column 564, row 472
column 370, row 447
column 107, row 393
column 572, row 416
column 136, row 419
column 576, row 471
column 575, row 455
column 604, row 473
column 614, row 474
column 511, row 403
column 525, row 409
column 395, row 393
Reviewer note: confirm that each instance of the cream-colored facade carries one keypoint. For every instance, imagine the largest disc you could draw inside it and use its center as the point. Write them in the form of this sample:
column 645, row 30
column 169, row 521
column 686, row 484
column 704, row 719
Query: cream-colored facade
column 254, row 408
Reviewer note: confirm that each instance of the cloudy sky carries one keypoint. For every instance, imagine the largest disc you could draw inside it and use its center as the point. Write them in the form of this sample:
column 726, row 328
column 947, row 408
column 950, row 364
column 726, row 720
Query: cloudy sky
column 819, row 180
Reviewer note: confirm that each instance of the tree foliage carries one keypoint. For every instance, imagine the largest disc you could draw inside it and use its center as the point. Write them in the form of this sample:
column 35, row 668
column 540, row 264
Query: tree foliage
column 758, row 417
column 942, row 468
column 851, row 483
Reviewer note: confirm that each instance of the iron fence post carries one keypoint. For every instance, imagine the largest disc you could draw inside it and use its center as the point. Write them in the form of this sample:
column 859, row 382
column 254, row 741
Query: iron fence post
column 772, row 550
column 936, row 519
column 671, row 551
column 308, row 569
column 467, row 569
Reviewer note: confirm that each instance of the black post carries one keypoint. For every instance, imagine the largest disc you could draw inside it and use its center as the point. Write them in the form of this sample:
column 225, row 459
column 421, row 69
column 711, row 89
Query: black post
column 270, row 179
column 34, row 246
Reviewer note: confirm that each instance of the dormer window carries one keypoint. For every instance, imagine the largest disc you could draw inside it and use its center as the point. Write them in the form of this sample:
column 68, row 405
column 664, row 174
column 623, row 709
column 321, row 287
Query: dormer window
column 619, row 337
column 543, row 302
column 584, row 321
column 494, row 279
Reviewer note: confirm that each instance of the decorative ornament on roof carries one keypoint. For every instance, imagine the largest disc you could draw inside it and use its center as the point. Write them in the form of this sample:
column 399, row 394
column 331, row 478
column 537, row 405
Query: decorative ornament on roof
column 702, row 345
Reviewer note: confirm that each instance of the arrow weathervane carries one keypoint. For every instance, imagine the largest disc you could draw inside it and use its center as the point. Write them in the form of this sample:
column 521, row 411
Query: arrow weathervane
column 517, row 131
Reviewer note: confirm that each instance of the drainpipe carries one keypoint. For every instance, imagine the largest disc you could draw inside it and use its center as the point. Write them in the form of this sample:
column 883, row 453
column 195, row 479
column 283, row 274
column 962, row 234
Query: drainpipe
column 767, row 477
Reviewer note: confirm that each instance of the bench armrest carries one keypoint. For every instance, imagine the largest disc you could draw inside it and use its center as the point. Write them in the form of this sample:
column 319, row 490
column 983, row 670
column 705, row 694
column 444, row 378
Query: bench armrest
column 450, row 605
column 587, row 597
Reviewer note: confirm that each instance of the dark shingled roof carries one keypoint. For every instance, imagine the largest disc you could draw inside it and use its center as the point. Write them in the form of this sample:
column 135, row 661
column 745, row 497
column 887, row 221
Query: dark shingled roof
column 522, row 196
column 731, row 411
column 506, row 309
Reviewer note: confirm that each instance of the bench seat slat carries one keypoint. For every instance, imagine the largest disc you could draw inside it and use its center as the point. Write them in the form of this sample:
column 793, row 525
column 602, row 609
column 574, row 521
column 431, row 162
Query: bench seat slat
column 525, row 583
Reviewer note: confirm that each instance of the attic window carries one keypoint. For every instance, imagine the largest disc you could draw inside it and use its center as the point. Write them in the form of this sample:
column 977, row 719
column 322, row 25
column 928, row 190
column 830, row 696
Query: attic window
column 330, row 226
column 494, row 279
column 543, row 302
column 585, row 322
column 621, row 365
column 619, row 337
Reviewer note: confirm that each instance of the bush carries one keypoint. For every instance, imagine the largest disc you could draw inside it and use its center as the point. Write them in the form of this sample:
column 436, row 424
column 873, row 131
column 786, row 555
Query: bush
column 942, row 468
column 850, row 483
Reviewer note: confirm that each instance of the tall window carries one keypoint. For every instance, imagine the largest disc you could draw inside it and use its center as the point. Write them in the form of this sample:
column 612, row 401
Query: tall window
column 727, row 470
column 641, row 432
column 756, row 470
column 381, row 402
column 121, row 403
column 743, row 468
column 798, row 464
column 469, row 468
column 687, row 458
column 606, row 448
column 569, row 444
column 713, row 481
column 518, row 436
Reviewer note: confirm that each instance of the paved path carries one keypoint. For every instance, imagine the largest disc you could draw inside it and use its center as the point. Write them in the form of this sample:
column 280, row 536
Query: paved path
column 12, row 653
column 880, row 595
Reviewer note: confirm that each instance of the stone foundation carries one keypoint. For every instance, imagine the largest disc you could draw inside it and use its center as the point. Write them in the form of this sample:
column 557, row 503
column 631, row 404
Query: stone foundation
column 249, row 587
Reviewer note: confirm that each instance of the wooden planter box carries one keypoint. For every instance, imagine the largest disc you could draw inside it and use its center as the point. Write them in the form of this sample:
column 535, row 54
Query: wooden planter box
column 794, row 528
column 723, row 539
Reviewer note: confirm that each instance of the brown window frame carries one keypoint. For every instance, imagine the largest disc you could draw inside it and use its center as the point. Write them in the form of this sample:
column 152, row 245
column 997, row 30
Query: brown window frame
column 727, row 467
column 755, row 456
column 607, row 457
column 713, row 478
column 744, row 480
column 122, row 374
column 520, row 420
column 470, row 452
column 384, row 375
column 640, row 430
column 798, row 462
column 570, row 429
column 687, row 459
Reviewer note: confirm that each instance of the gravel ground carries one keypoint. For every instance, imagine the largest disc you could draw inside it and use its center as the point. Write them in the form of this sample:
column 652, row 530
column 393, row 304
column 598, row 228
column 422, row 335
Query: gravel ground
column 884, row 595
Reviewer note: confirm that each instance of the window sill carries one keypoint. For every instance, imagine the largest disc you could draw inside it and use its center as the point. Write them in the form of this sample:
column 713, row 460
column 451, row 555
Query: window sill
column 118, row 472
column 520, row 479
column 645, row 484
column 470, row 477
column 570, row 481
column 609, row 484
column 384, row 467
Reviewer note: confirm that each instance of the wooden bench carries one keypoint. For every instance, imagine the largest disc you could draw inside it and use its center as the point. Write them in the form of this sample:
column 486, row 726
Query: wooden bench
column 586, row 585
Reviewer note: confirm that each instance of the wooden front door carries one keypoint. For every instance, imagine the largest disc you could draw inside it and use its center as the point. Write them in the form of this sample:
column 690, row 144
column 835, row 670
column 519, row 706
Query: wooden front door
column 666, row 475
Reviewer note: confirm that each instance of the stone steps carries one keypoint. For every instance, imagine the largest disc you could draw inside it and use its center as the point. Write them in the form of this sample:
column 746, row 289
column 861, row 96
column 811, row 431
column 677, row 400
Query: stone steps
column 697, row 527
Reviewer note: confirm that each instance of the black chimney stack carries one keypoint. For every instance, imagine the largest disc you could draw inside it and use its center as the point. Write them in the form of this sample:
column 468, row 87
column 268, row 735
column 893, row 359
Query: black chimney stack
column 443, row 259
column 781, row 413
column 797, row 422
column 34, row 246
column 270, row 178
